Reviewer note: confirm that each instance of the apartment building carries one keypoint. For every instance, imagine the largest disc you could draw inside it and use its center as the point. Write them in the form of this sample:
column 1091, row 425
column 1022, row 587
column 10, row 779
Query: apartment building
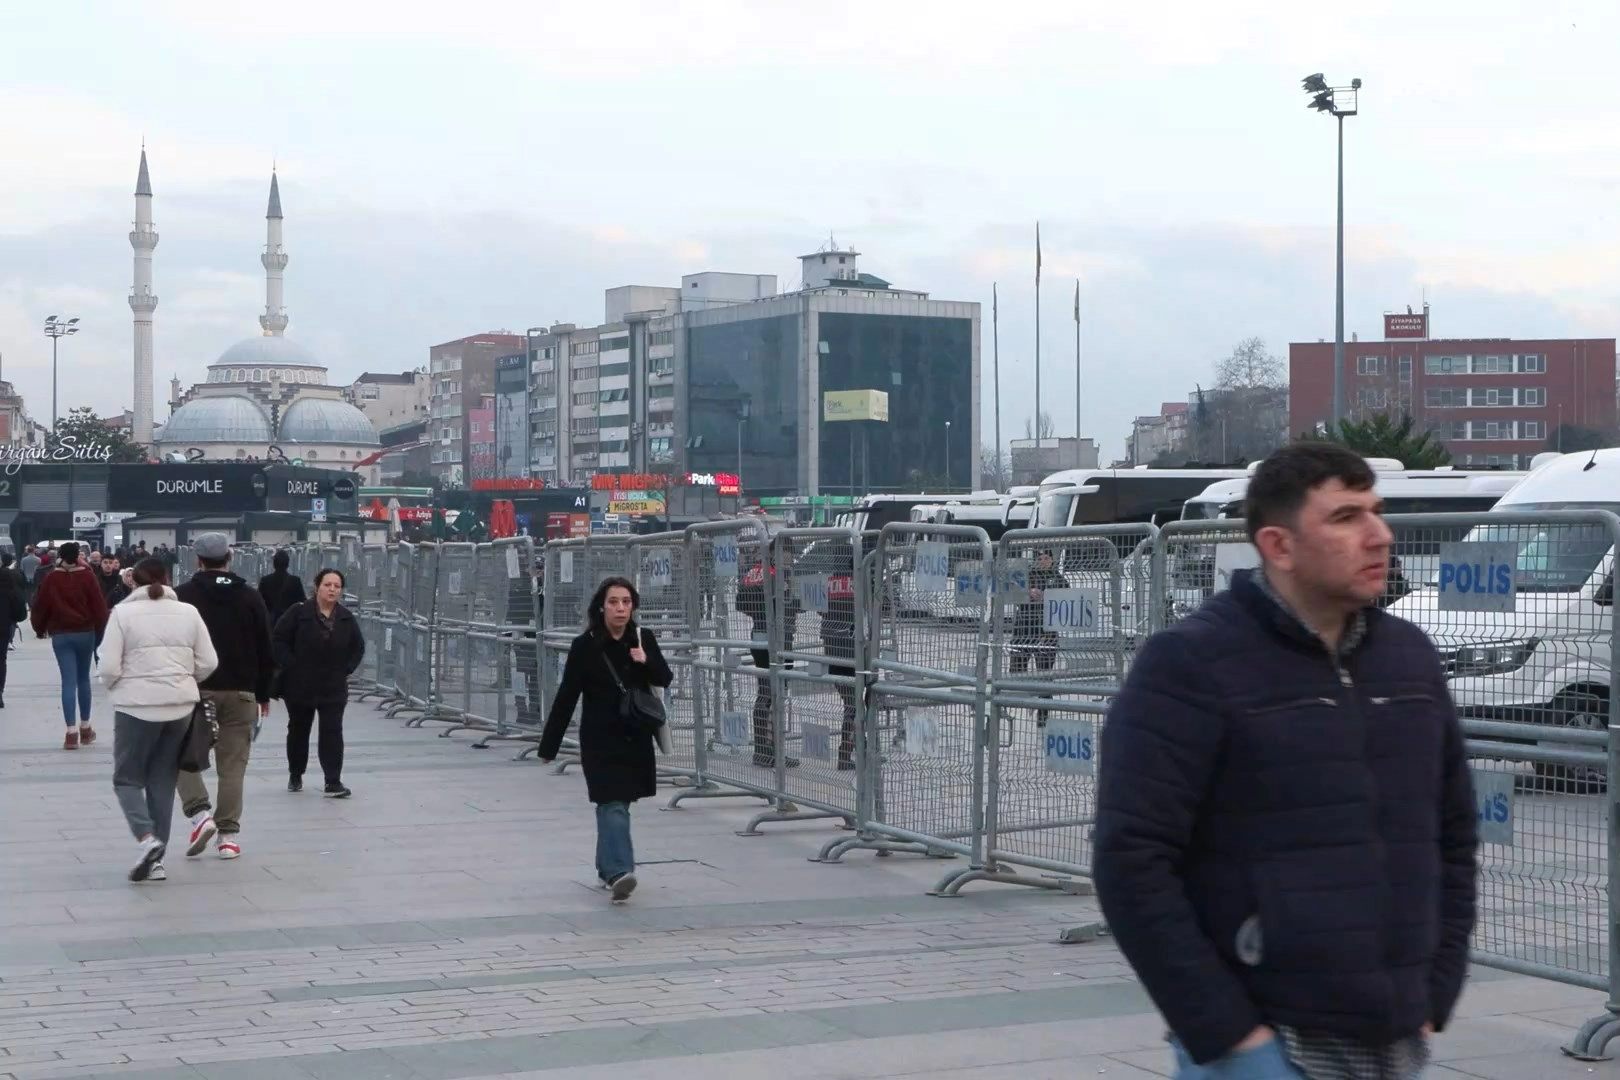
column 1491, row 401
column 390, row 399
column 461, row 373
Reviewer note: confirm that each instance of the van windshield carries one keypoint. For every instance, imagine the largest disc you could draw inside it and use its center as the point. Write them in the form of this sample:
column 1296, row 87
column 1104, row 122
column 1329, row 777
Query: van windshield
column 1552, row 558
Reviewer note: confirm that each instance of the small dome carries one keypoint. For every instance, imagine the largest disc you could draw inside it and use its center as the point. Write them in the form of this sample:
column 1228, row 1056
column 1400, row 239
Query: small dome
column 267, row 352
column 228, row 418
column 327, row 420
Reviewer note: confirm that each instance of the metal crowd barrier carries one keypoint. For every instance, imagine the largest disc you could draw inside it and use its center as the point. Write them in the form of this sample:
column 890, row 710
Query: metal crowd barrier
column 929, row 692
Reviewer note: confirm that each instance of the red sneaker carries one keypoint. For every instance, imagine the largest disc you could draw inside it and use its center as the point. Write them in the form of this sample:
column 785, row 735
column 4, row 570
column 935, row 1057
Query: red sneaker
column 87, row 735
column 72, row 740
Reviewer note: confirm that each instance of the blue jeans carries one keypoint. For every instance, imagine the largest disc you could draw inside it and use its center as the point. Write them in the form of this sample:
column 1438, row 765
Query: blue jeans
column 73, row 652
column 615, row 856
column 1266, row 1062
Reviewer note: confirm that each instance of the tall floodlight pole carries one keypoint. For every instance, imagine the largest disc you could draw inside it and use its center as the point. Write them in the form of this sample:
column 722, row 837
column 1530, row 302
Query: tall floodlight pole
column 56, row 328
column 1339, row 102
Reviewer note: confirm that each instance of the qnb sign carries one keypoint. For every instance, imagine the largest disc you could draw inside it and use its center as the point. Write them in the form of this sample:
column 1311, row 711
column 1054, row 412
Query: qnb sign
column 725, row 483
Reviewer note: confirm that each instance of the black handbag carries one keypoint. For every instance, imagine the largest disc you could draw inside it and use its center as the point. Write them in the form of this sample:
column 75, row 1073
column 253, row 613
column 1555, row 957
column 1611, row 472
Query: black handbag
column 641, row 710
column 201, row 736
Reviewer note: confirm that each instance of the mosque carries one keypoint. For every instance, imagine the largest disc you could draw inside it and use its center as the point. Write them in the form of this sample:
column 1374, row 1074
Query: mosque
column 265, row 398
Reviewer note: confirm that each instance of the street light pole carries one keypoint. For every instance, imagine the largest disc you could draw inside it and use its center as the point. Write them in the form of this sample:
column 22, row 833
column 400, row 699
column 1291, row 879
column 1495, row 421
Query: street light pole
column 1338, row 102
column 56, row 329
column 947, row 454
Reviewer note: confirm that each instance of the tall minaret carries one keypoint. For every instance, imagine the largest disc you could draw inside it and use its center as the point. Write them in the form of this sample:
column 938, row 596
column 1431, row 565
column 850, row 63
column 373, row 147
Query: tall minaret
column 274, row 319
column 142, row 301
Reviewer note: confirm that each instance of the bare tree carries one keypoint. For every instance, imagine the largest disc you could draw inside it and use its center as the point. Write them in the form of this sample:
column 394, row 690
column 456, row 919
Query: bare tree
column 1048, row 429
column 995, row 469
column 1246, row 415
column 1251, row 367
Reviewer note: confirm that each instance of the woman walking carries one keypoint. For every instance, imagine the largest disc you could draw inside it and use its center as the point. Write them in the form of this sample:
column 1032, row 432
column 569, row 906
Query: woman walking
column 317, row 646
column 70, row 608
column 611, row 658
column 13, row 610
column 155, row 652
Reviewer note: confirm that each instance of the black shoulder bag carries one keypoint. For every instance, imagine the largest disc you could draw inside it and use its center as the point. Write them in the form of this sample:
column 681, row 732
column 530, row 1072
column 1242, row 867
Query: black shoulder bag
column 201, row 736
column 641, row 710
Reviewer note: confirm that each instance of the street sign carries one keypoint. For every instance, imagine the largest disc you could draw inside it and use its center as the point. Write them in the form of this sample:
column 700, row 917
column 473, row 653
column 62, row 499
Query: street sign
column 317, row 509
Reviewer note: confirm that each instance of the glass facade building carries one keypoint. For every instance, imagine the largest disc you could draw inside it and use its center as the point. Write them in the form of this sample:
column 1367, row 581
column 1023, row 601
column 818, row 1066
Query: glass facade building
column 743, row 380
column 925, row 364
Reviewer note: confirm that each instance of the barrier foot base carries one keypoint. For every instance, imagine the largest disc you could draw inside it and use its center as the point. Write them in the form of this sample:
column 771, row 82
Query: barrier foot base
column 835, row 850
column 708, row 790
column 1591, row 1042
column 951, row 884
column 527, row 752
column 786, row 810
column 1084, row 934
column 561, row 767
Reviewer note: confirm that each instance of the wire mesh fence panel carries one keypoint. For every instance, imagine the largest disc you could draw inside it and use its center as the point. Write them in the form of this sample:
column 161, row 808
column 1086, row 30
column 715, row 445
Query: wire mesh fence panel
column 452, row 619
column 574, row 570
column 1063, row 636
column 923, row 718
column 505, row 621
column 661, row 578
column 1543, row 895
column 803, row 612
column 721, row 557
column 185, row 564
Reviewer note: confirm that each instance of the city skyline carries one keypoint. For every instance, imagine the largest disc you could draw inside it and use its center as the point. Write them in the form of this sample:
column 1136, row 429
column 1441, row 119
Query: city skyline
column 419, row 223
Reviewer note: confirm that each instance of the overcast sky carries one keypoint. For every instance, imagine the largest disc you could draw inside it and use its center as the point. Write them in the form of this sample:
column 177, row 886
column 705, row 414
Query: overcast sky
column 447, row 169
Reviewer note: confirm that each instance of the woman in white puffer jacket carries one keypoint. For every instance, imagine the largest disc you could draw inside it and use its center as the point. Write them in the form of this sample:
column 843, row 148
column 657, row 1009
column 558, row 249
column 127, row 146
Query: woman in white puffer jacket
column 155, row 652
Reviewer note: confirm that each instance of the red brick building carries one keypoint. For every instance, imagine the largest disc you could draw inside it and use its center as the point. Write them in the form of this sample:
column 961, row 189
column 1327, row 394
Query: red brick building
column 1492, row 401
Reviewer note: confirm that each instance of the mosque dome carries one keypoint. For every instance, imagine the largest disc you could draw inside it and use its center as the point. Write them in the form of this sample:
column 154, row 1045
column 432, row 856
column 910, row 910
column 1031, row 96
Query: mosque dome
column 261, row 360
column 327, row 420
column 229, row 418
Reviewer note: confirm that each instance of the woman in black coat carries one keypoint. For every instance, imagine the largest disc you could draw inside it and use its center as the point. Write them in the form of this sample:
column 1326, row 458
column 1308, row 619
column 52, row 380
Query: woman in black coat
column 612, row 655
column 317, row 646
column 13, row 610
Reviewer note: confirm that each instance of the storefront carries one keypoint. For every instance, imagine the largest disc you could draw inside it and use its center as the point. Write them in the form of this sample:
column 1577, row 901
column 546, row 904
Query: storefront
column 55, row 502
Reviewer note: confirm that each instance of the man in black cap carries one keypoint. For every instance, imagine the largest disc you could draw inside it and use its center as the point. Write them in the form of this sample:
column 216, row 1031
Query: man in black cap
column 239, row 688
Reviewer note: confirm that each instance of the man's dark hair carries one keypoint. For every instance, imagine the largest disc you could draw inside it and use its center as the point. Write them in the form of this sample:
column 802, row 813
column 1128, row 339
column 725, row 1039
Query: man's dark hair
column 1285, row 479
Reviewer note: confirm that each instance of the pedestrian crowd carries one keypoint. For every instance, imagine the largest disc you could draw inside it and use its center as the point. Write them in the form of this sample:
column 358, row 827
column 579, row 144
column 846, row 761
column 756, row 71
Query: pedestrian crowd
column 190, row 672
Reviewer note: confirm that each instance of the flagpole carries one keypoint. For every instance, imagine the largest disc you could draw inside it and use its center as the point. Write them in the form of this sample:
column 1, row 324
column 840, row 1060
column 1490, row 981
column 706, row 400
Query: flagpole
column 1037, row 338
column 995, row 347
column 1078, row 463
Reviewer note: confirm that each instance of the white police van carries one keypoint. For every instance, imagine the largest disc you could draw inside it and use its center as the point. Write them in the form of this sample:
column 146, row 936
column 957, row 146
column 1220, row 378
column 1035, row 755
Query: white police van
column 1538, row 651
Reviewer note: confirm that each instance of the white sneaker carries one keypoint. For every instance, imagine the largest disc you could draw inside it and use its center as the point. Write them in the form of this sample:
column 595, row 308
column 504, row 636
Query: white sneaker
column 230, row 846
column 158, row 873
column 151, row 855
column 202, row 831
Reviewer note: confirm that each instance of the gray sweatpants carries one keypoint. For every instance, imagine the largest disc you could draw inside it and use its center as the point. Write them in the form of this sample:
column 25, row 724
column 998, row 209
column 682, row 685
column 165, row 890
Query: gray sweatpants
column 146, row 763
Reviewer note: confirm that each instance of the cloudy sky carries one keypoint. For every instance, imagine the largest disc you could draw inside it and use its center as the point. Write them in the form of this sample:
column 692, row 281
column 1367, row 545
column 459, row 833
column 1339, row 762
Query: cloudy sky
column 453, row 168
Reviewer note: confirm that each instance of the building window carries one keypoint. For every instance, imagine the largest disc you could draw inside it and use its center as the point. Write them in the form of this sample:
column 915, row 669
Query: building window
column 610, row 370
column 613, row 344
column 587, row 398
column 1372, row 397
column 1535, row 395
column 1404, row 367
column 1492, row 365
column 1531, row 429
column 1533, row 363
column 1445, row 397
column 654, row 392
column 475, row 427
column 1445, row 365
column 1372, row 365
column 662, row 337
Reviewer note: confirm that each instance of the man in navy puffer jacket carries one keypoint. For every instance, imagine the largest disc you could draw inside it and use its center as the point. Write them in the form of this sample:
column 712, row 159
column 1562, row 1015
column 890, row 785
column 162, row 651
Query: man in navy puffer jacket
column 1285, row 831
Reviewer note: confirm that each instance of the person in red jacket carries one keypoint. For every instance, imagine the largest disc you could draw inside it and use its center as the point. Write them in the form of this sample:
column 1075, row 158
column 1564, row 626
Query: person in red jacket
column 70, row 607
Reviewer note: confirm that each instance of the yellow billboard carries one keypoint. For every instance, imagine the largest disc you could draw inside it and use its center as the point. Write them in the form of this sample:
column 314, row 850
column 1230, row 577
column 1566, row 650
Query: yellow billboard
column 636, row 506
column 854, row 405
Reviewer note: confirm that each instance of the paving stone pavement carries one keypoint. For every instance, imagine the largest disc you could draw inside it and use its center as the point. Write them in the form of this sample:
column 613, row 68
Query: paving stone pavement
column 443, row 924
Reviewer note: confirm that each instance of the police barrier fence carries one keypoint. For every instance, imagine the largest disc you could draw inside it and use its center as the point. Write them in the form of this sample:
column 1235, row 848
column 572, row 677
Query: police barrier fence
column 932, row 693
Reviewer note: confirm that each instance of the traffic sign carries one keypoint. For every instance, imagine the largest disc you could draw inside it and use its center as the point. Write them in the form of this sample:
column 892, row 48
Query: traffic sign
column 317, row 509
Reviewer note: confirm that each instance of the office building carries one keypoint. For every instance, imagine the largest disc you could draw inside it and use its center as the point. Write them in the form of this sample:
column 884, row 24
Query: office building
column 1491, row 401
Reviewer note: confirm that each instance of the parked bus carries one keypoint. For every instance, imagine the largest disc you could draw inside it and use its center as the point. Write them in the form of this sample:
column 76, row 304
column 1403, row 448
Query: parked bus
column 1121, row 496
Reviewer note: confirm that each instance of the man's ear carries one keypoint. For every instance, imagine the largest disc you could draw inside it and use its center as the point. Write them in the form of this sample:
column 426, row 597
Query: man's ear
column 1276, row 546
